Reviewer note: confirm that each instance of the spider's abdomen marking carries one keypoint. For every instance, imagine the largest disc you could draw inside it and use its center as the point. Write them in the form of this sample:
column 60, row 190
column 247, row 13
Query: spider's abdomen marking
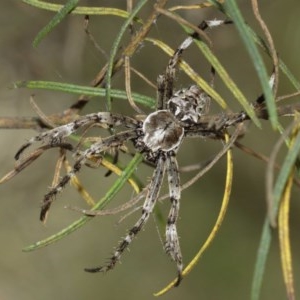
column 189, row 104
column 162, row 131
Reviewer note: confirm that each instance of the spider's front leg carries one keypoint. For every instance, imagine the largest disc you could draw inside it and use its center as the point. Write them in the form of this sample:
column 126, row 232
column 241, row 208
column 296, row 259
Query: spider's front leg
column 57, row 134
column 113, row 141
column 151, row 198
column 172, row 245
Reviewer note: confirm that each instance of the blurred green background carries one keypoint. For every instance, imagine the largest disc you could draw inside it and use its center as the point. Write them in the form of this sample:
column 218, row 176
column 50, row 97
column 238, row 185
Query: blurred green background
column 56, row 272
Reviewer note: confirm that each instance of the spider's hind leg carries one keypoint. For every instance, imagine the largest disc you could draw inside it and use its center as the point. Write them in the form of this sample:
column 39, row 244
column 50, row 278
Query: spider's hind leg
column 147, row 209
column 172, row 245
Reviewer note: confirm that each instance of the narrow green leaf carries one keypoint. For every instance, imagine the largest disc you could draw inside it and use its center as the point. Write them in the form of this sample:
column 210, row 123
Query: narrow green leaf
column 116, row 187
column 83, row 90
column 81, row 10
column 261, row 259
column 61, row 14
column 265, row 242
column 284, row 172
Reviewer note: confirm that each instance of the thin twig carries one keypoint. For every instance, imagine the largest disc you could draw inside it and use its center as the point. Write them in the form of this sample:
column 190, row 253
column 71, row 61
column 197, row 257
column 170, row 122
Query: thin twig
column 112, row 211
column 288, row 96
column 270, row 41
column 39, row 112
column 193, row 6
column 143, row 77
column 91, row 37
column 261, row 157
column 128, row 85
column 182, row 21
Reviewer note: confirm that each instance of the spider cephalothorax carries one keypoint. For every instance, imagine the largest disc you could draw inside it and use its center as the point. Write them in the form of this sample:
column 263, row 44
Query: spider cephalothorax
column 158, row 137
column 164, row 129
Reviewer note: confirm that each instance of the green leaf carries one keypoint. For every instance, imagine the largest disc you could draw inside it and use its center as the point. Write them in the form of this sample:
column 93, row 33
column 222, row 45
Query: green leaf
column 65, row 10
column 81, row 10
column 266, row 237
column 83, row 90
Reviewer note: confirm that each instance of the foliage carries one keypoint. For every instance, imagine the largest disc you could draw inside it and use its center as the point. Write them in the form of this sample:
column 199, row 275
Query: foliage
column 278, row 189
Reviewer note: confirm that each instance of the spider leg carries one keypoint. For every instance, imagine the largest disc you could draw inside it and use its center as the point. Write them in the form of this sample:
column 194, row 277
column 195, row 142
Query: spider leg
column 96, row 149
column 55, row 136
column 172, row 245
column 165, row 83
column 151, row 198
column 161, row 104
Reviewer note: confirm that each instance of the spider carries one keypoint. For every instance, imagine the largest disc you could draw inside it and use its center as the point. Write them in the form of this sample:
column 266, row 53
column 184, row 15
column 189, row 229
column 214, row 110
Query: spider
column 158, row 137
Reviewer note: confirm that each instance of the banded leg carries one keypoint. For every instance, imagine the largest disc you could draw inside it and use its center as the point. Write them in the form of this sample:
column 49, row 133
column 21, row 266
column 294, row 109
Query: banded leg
column 96, row 149
column 147, row 209
column 165, row 83
column 56, row 135
column 172, row 245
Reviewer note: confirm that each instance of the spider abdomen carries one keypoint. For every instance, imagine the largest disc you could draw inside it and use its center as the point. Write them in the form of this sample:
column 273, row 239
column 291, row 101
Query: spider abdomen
column 162, row 131
column 188, row 105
